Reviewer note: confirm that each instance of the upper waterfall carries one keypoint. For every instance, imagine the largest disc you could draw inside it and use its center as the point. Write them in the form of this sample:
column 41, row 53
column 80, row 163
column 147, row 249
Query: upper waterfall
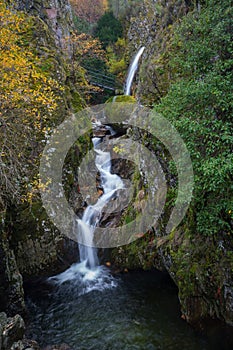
column 132, row 70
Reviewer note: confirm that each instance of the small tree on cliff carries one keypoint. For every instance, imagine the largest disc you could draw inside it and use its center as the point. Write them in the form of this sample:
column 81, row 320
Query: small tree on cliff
column 89, row 10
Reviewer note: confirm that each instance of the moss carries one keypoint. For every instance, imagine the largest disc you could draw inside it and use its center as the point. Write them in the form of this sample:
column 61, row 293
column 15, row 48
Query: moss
column 200, row 268
column 28, row 221
column 122, row 98
column 76, row 101
column 73, row 160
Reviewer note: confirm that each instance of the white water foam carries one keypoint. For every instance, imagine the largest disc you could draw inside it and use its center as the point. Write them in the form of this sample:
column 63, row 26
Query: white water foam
column 85, row 279
column 87, row 274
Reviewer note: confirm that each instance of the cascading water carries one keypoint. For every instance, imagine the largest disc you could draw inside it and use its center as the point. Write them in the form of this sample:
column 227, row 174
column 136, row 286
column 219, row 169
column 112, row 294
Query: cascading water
column 132, row 70
column 88, row 269
column 110, row 183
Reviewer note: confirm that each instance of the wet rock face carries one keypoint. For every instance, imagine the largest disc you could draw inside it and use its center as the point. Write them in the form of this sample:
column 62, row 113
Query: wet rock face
column 203, row 274
column 45, row 255
column 228, row 298
column 100, row 131
column 12, row 330
column 200, row 266
column 34, row 244
column 147, row 28
column 40, row 249
column 145, row 24
column 11, row 284
column 123, row 168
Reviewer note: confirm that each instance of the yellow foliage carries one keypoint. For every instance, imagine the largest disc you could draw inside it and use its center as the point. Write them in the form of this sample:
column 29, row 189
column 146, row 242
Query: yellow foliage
column 119, row 149
column 22, row 83
column 86, row 46
column 29, row 98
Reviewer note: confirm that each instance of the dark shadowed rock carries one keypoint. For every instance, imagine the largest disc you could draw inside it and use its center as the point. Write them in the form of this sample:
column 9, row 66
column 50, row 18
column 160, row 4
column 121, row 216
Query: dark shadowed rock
column 11, row 285
column 13, row 331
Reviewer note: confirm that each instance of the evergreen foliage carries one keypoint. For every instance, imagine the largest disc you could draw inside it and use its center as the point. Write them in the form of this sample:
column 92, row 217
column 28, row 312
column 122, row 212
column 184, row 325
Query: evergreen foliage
column 199, row 104
column 108, row 29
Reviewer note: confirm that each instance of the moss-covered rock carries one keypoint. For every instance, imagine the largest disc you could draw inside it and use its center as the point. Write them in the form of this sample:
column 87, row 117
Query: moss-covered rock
column 122, row 98
column 40, row 249
column 201, row 270
column 151, row 27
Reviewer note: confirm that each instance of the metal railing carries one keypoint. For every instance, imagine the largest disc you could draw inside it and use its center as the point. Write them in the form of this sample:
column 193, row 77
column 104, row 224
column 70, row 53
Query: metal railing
column 102, row 80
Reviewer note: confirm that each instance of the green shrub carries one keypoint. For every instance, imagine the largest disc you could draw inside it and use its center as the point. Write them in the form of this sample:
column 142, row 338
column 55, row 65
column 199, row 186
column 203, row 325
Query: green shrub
column 199, row 104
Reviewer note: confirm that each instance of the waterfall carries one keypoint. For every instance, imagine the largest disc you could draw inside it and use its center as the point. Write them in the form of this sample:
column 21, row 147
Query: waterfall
column 87, row 273
column 110, row 184
column 88, row 270
column 132, row 70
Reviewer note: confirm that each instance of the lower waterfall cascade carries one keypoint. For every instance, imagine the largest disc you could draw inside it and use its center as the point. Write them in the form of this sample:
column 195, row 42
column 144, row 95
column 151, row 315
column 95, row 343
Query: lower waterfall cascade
column 88, row 271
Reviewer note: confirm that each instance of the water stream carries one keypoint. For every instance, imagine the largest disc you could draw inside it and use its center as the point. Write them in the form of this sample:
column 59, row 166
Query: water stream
column 132, row 70
column 87, row 272
column 88, row 308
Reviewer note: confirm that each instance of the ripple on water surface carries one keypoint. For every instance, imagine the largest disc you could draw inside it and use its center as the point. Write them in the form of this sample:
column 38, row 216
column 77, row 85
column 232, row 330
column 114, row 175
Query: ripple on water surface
column 91, row 309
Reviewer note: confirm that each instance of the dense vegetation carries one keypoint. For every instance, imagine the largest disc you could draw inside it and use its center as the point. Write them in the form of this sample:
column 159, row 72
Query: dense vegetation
column 192, row 70
column 30, row 97
column 199, row 104
column 108, row 29
column 99, row 48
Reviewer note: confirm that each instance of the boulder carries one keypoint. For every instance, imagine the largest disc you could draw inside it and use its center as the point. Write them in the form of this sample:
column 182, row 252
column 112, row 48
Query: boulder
column 13, row 331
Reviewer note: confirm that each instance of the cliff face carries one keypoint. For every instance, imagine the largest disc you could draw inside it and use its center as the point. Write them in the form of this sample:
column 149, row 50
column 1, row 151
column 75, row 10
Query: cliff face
column 11, row 289
column 57, row 15
column 151, row 28
column 200, row 265
column 29, row 244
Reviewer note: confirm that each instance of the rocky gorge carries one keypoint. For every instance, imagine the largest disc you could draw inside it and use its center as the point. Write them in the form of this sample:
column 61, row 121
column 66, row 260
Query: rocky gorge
column 32, row 247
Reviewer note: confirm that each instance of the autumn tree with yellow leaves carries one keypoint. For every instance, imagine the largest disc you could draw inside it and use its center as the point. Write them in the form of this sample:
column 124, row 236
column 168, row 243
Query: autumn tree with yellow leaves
column 29, row 99
column 88, row 54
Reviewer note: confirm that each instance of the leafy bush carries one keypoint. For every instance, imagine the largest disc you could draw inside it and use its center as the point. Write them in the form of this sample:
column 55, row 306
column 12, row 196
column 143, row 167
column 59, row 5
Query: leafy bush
column 199, row 104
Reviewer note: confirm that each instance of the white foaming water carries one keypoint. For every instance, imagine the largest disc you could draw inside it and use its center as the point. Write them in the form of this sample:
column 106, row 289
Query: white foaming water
column 88, row 274
column 86, row 226
column 132, row 70
column 84, row 279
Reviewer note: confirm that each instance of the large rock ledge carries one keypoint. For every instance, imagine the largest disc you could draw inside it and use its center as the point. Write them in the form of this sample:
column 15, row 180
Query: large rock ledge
column 202, row 271
column 12, row 335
